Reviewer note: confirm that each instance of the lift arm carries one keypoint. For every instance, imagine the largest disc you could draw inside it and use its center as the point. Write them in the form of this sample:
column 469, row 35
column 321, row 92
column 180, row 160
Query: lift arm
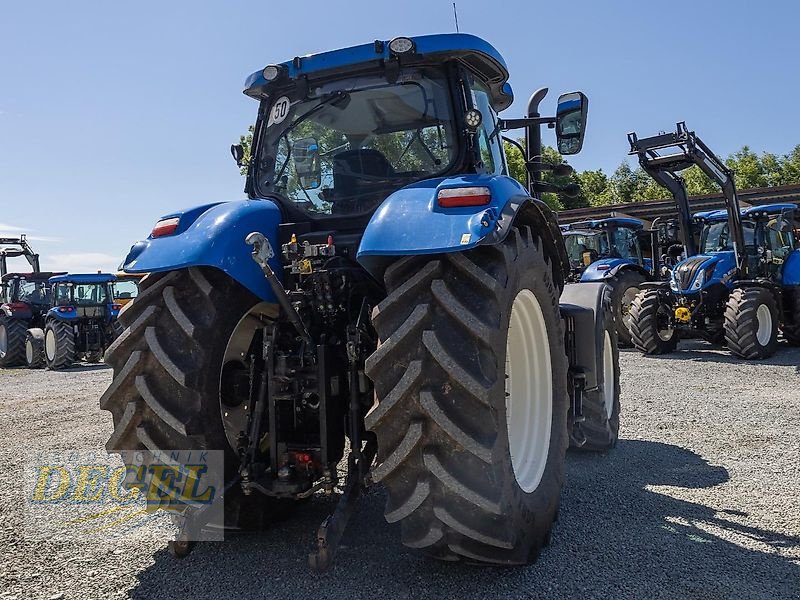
column 24, row 250
column 665, row 169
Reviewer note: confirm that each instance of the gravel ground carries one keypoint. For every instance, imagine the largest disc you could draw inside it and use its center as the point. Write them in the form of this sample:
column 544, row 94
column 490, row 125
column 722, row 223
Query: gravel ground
column 701, row 498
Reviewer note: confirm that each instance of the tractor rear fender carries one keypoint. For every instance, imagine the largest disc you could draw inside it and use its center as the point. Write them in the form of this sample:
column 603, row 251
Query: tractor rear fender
column 582, row 308
column 791, row 269
column 213, row 236
column 411, row 221
column 606, row 268
column 19, row 310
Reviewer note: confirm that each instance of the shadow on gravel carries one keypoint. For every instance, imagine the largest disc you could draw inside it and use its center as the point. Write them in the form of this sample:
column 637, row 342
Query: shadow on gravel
column 617, row 537
column 700, row 351
column 87, row 367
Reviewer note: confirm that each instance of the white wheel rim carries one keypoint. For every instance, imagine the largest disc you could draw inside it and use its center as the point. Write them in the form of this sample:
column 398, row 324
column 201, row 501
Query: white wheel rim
column 50, row 344
column 3, row 340
column 764, row 325
column 625, row 309
column 29, row 351
column 529, row 391
column 608, row 375
column 664, row 333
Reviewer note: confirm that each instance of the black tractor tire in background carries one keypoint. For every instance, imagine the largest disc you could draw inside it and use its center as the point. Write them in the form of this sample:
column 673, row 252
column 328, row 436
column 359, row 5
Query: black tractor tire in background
column 63, row 354
column 648, row 332
column 601, row 407
column 439, row 373
column 165, row 393
column 34, row 348
column 746, row 336
column 622, row 283
column 13, row 331
column 791, row 326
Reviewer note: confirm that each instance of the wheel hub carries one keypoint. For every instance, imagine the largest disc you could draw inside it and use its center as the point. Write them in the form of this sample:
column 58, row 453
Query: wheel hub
column 529, row 391
column 664, row 324
column 29, row 351
column 50, row 344
column 625, row 308
column 3, row 340
column 763, row 325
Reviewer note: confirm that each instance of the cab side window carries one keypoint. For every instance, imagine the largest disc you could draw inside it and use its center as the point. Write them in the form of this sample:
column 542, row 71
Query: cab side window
column 489, row 140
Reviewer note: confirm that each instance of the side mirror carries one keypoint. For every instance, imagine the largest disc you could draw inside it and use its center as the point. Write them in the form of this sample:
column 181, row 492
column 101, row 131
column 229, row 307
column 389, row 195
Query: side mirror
column 306, row 163
column 237, row 151
column 571, row 122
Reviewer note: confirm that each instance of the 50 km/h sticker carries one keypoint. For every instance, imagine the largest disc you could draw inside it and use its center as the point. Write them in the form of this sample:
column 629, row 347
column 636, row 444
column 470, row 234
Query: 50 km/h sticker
column 279, row 111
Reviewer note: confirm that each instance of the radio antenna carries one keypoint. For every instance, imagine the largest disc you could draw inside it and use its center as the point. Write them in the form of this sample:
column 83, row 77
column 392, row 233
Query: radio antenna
column 455, row 16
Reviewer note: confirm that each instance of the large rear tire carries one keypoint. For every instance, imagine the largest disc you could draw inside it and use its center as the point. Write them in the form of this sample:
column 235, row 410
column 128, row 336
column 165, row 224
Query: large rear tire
column 652, row 331
column 465, row 340
column 12, row 342
column 165, row 394
column 34, row 348
column 59, row 345
column 625, row 286
column 751, row 323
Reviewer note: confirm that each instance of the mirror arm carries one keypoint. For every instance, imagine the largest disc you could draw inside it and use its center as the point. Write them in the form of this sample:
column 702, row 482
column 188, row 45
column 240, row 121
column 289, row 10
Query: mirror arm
column 506, row 124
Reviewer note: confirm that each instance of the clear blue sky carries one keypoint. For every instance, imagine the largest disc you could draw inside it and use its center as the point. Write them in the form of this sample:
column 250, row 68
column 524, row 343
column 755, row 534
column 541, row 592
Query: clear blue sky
column 113, row 113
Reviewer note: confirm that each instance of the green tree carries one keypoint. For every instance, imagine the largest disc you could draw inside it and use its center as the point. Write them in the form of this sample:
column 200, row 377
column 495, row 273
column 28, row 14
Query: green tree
column 247, row 143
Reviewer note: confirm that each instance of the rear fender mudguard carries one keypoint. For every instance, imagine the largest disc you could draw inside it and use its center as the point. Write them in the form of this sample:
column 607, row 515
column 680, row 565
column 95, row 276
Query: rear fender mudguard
column 607, row 268
column 213, row 236
column 24, row 314
column 791, row 269
column 410, row 222
column 584, row 307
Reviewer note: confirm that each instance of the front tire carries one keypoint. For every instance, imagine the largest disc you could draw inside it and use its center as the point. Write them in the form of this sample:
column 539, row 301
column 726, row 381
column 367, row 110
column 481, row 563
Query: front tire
column 12, row 342
column 34, row 348
column 59, row 345
column 751, row 323
column 652, row 331
column 465, row 480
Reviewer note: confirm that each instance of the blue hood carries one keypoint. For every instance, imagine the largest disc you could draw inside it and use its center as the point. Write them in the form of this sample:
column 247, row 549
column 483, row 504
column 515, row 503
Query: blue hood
column 699, row 272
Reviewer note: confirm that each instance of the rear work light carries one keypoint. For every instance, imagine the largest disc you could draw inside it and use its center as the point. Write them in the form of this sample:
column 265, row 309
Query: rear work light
column 466, row 196
column 165, row 227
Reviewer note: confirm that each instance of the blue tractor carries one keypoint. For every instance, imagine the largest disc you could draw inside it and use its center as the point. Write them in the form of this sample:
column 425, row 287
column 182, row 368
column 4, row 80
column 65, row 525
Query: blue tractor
column 78, row 325
column 743, row 283
column 612, row 251
column 386, row 282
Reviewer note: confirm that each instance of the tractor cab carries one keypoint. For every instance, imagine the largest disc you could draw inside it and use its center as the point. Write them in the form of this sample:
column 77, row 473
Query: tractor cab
column 126, row 287
column 25, row 295
column 612, row 241
column 84, row 296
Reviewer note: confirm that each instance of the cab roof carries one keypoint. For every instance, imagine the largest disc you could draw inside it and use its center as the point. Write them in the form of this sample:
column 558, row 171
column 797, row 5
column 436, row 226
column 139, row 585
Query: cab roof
column 601, row 223
column 40, row 276
column 750, row 211
column 477, row 54
column 83, row 278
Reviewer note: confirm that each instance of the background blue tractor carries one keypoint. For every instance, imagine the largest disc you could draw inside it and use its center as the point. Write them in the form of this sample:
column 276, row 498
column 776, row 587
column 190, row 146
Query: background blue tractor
column 744, row 283
column 386, row 283
column 612, row 251
column 78, row 325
